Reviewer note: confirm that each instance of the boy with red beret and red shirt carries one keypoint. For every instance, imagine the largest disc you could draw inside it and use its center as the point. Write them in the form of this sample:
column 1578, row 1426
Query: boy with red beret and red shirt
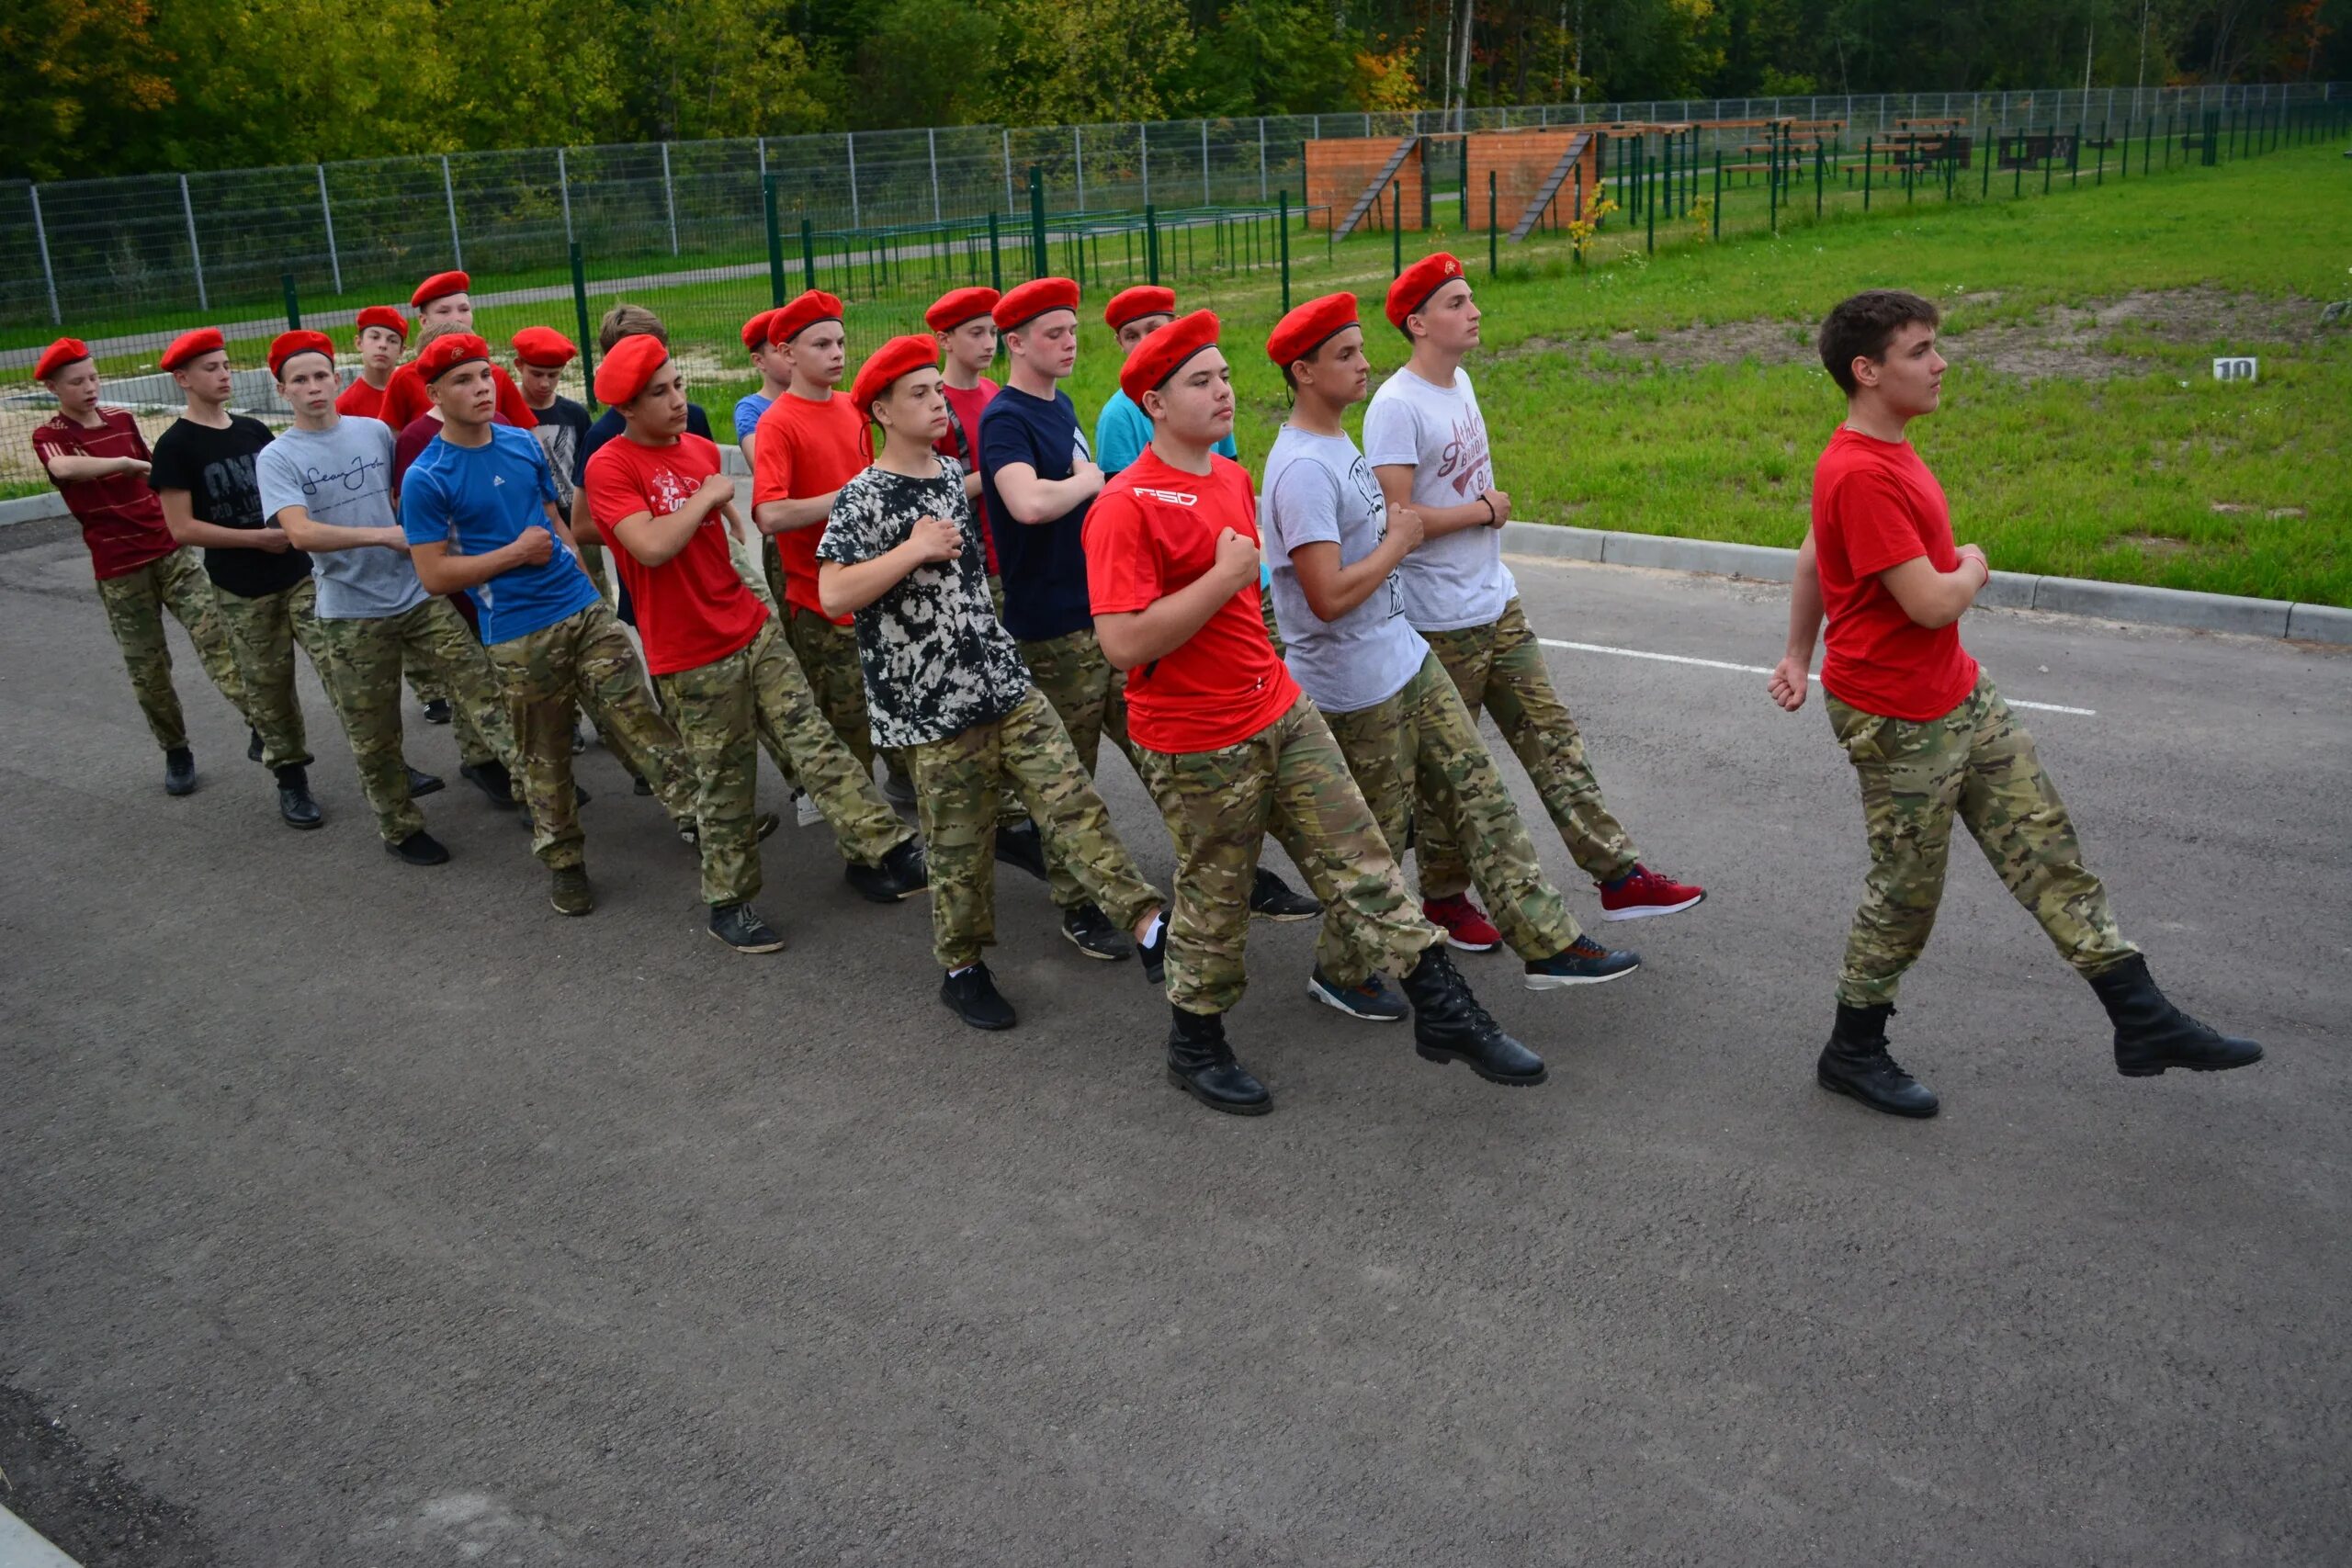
column 444, row 296
column 380, row 337
column 963, row 321
column 1231, row 747
column 658, row 497
column 98, row 461
column 1426, row 442
column 944, row 678
column 1928, row 734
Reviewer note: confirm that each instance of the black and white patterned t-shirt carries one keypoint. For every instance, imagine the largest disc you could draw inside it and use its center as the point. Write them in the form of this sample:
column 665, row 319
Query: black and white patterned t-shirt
column 936, row 658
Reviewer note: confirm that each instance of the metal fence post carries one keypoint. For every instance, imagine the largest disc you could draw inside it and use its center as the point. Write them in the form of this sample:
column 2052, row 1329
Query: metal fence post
column 1041, row 258
column 580, row 310
column 807, row 254
column 1008, row 170
column 449, row 195
column 933, row 134
column 670, row 199
column 187, row 210
column 1151, row 244
column 563, row 186
column 1143, row 139
column 1205, row 163
column 996, row 256
column 327, row 214
column 1282, row 212
column 1078, row 154
column 293, row 302
column 1262, row 157
column 775, row 239
column 849, row 141
column 1494, row 258
column 47, row 274
column 1396, row 228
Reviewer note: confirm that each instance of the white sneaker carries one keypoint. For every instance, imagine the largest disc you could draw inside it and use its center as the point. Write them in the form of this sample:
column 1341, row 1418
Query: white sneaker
column 805, row 812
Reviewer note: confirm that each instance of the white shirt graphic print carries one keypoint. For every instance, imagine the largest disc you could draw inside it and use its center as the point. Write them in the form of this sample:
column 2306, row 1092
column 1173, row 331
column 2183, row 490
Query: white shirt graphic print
column 1458, row 581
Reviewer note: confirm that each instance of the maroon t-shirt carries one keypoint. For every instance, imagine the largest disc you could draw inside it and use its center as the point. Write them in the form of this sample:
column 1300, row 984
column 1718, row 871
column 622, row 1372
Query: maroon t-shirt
column 122, row 523
column 415, row 437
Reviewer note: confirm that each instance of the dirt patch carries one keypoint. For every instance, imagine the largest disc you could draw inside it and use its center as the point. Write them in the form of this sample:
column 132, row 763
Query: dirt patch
column 2153, row 545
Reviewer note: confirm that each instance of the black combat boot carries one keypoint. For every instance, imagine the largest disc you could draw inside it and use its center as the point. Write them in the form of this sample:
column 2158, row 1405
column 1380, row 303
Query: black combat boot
column 1200, row 1063
column 294, row 802
column 1450, row 1026
column 179, row 771
column 2151, row 1034
column 1855, row 1063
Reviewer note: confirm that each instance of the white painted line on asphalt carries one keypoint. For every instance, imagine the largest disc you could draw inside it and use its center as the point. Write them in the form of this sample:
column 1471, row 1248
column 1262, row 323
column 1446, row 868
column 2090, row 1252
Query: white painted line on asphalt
column 1758, row 669
column 22, row 1547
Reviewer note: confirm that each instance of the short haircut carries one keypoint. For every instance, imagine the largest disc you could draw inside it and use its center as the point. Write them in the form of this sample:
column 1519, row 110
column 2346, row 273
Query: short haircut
column 1862, row 326
column 431, row 331
column 627, row 320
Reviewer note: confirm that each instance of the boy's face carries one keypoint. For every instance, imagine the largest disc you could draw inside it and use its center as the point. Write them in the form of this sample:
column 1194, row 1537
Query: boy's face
column 76, row 387
column 309, row 384
column 466, row 394
column 659, row 410
column 206, row 376
column 769, row 361
column 915, row 406
column 820, row 354
column 1338, row 369
column 1909, row 379
column 1196, row 403
column 379, row 347
column 972, row 345
column 457, row 308
column 538, row 383
column 1048, row 343
column 1142, row 327
column 1449, row 318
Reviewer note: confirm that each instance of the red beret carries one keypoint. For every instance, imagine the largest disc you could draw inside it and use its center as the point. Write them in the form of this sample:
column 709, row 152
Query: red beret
column 1163, row 353
column 788, row 320
column 545, row 347
column 628, row 365
column 437, row 286
column 444, row 355
column 191, row 345
column 286, row 345
column 1144, row 299
column 1309, row 327
column 755, row 330
column 57, row 355
column 899, row 356
column 383, row 316
column 1417, row 283
column 1033, row 299
column 955, row 307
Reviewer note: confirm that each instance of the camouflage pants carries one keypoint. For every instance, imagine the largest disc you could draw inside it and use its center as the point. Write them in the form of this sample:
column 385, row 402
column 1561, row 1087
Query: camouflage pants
column 1977, row 760
column 362, row 670
column 1291, row 780
column 1266, row 608
column 722, row 710
column 587, row 659
column 264, row 630
column 1090, row 697
column 1500, row 668
column 134, row 604
column 957, row 782
column 828, row 656
column 1423, row 740
column 592, row 561
column 746, row 558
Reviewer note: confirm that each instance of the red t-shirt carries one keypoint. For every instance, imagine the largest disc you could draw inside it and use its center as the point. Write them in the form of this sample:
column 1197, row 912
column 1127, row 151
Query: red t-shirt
column 1875, row 505
column 962, row 442
column 693, row 609
column 1151, row 531
column 363, row 400
column 802, row 448
column 122, row 523
column 406, row 396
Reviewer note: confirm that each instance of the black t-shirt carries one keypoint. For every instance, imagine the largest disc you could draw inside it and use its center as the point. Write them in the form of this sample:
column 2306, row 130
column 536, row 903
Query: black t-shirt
column 1044, row 566
column 608, row 427
column 216, row 468
column 562, row 432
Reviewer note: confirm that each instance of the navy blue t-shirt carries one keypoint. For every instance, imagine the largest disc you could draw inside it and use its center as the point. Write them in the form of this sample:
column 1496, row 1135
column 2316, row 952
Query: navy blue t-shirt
column 1044, row 564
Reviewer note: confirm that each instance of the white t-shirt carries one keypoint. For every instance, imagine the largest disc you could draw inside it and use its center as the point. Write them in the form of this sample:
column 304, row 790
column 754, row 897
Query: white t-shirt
column 1319, row 487
column 1458, row 581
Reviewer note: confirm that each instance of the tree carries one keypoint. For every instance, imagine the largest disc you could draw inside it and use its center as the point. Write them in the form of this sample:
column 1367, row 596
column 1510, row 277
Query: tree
column 86, row 86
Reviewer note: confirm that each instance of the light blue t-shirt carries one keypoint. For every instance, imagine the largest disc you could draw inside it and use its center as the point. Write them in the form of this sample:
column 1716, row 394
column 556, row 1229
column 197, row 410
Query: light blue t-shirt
column 748, row 408
column 479, row 499
column 1318, row 488
column 1122, row 431
column 342, row 477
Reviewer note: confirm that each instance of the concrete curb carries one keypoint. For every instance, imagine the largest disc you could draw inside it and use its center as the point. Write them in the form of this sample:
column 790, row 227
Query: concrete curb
column 2125, row 601
column 22, row 1547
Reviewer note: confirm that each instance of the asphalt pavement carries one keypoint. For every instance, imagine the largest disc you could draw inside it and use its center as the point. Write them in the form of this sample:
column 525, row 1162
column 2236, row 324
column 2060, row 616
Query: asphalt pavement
column 364, row 1215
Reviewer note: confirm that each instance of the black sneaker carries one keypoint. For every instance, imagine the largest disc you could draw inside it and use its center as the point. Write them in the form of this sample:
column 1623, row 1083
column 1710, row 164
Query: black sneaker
column 1090, row 931
column 897, row 788
column 1450, row 1026
column 639, row 787
column 294, row 802
column 1583, row 961
column 971, row 995
column 179, row 771
column 419, row 848
column 1372, row 1001
column 1855, row 1063
column 1154, row 956
column 252, row 744
column 901, row 874
column 740, row 928
column 422, row 783
column 437, row 711
column 572, row 894
column 1271, row 899
column 1202, row 1064
column 1022, row 847
column 579, row 740
column 494, row 782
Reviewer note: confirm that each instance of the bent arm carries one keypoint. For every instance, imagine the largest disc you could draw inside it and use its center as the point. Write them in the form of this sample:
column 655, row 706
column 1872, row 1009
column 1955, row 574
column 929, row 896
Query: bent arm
column 784, row 516
column 187, row 528
column 442, row 572
column 67, row 467
column 1031, row 500
column 1138, row 636
column 1397, row 485
column 1936, row 599
column 1333, row 590
column 654, row 540
column 305, row 531
column 843, row 590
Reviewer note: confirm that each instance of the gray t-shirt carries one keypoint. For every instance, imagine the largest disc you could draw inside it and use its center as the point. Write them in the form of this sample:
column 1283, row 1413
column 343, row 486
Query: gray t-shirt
column 1458, row 581
column 1319, row 487
column 342, row 477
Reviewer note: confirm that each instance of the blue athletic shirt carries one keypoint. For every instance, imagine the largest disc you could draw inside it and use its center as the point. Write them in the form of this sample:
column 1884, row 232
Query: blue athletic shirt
column 1122, row 431
column 479, row 499
column 748, row 408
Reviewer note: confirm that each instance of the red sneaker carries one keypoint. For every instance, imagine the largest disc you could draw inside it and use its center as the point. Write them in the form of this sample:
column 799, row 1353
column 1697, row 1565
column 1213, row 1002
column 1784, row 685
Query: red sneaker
column 1642, row 893
column 1465, row 925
